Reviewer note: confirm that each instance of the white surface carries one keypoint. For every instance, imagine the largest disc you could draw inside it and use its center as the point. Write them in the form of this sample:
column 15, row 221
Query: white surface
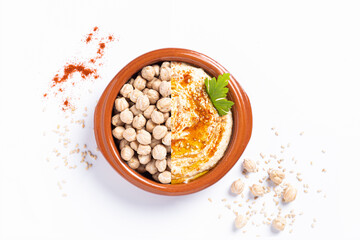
column 298, row 62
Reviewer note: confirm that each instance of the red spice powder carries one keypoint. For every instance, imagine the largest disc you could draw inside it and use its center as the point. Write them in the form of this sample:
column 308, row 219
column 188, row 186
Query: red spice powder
column 86, row 69
column 90, row 35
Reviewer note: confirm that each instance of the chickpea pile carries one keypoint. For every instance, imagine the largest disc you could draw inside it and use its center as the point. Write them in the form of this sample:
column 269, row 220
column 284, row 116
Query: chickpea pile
column 142, row 122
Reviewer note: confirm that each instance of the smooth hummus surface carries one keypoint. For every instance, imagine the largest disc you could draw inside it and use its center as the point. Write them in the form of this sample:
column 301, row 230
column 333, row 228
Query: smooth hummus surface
column 199, row 135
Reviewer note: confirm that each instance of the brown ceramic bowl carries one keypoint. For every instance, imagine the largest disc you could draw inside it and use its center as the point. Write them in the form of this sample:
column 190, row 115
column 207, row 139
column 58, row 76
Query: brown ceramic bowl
column 240, row 135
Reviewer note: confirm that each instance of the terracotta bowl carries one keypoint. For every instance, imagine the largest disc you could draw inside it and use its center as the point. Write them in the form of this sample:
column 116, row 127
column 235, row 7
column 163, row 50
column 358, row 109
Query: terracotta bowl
column 240, row 135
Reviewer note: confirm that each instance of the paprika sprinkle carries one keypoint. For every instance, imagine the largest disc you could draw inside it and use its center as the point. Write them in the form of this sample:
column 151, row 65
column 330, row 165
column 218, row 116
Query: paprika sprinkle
column 87, row 70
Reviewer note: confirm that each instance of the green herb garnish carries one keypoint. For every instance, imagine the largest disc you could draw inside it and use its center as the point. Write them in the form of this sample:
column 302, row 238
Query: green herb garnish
column 217, row 91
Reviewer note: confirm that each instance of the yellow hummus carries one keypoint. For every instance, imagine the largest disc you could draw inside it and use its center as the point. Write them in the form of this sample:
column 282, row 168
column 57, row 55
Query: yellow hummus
column 199, row 136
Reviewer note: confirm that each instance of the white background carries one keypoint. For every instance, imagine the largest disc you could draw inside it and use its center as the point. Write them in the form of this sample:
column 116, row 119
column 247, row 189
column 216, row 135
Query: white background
column 297, row 60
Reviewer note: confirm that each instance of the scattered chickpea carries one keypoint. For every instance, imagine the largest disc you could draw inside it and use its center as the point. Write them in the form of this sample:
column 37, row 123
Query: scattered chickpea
column 237, row 187
column 279, row 223
column 240, row 221
column 257, row 190
column 249, row 165
column 276, row 176
column 289, row 194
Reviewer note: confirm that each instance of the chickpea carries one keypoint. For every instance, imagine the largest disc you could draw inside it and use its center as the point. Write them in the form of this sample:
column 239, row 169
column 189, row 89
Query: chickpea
column 148, row 111
column 116, row 121
column 159, row 152
column 118, row 132
column 150, row 167
column 143, row 149
column 167, row 139
column 145, row 91
column 148, row 73
column 159, row 132
column 141, row 168
column 126, row 116
column 157, row 117
column 150, row 125
column 144, row 159
column 153, row 96
column 165, row 89
column 123, row 143
column 165, row 64
column 156, row 176
column 134, row 163
column 128, row 126
column 168, row 149
column 165, row 177
column 168, row 161
column 143, row 137
column 127, row 153
column 121, row 104
column 164, row 104
column 135, row 94
column 139, row 121
column 155, row 84
column 131, row 81
column 134, row 145
column 126, row 90
column 154, row 142
column 156, row 69
column 135, row 111
column 165, row 73
column 237, row 187
column 130, row 134
column 168, row 123
column 160, row 165
column 166, row 115
column 139, row 83
column 142, row 102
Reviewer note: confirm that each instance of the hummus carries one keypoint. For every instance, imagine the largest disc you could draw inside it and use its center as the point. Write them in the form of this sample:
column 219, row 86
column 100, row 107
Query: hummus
column 199, row 136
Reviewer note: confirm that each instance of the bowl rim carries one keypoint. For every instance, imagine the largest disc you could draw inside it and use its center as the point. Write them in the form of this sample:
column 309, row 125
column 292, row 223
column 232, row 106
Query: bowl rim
column 242, row 122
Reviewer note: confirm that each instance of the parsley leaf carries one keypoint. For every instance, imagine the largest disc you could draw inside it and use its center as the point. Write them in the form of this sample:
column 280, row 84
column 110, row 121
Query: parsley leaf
column 217, row 91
